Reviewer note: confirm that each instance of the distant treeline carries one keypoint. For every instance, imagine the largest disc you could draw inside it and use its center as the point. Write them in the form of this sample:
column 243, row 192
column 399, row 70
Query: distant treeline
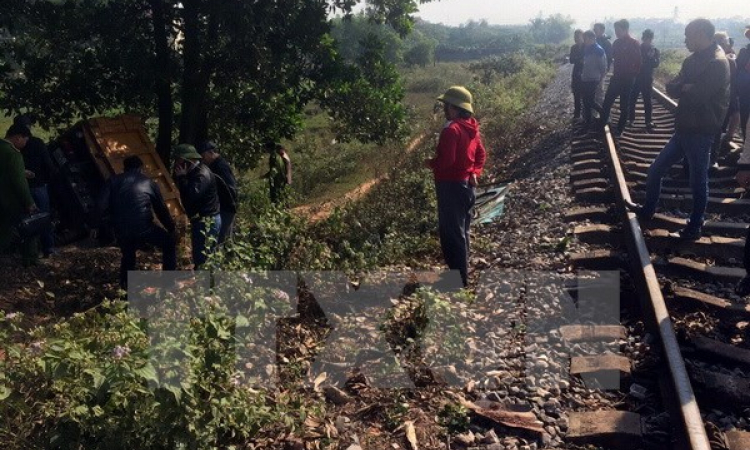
column 670, row 33
column 431, row 42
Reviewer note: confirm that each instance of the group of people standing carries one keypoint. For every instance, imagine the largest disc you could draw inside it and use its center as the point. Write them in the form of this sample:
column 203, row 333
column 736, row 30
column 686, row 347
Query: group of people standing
column 632, row 64
column 208, row 191
column 712, row 94
column 129, row 201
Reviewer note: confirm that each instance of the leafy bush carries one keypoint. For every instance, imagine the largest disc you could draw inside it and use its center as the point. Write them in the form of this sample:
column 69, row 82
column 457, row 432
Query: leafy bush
column 88, row 383
column 671, row 62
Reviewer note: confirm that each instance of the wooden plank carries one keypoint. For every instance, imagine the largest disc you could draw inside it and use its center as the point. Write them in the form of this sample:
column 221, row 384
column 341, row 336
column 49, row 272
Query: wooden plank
column 594, row 195
column 721, row 248
column 598, row 234
column 738, row 440
column 686, row 267
column 599, row 333
column 609, row 429
column 594, row 214
column 598, row 260
column 689, row 295
column 582, row 365
column 596, row 164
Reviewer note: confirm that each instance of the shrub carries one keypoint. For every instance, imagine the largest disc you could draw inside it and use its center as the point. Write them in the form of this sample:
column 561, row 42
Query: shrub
column 88, row 383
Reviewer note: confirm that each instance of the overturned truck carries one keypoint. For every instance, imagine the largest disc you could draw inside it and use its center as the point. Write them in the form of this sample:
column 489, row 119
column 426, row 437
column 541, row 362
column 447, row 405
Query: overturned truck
column 86, row 156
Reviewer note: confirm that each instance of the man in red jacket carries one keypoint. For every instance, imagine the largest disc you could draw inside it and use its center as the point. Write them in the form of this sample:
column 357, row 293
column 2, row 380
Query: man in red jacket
column 626, row 52
column 458, row 162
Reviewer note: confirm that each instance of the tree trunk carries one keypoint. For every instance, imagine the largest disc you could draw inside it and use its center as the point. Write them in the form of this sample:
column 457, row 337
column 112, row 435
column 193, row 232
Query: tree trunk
column 199, row 63
column 192, row 97
column 163, row 85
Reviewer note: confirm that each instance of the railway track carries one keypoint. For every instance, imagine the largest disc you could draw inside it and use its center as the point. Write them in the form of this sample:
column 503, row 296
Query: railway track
column 699, row 328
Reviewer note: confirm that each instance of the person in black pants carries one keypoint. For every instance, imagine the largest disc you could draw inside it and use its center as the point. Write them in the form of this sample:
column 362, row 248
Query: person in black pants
column 131, row 199
column 39, row 173
column 227, row 187
column 576, row 58
column 644, row 83
column 743, row 84
column 626, row 67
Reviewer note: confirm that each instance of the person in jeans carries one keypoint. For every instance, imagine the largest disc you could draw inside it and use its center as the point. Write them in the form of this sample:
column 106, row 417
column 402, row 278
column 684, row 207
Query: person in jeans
column 576, row 58
column 743, row 178
column 626, row 52
column 200, row 196
column 131, row 200
column 702, row 88
column 732, row 119
column 644, row 83
column 227, row 184
column 592, row 74
column 39, row 172
column 458, row 162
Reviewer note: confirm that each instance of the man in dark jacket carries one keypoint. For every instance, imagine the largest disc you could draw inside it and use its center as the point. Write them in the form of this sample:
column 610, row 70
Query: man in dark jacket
column 39, row 173
column 200, row 197
column 576, row 58
column 644, row 83
column 459, row 161
column 627, row 64
column 702, row 88
column 743, row 83
column 131, row 200
column 226, row 184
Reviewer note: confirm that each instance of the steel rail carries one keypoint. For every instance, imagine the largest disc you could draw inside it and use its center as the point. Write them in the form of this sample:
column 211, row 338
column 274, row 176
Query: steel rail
column 645, row 275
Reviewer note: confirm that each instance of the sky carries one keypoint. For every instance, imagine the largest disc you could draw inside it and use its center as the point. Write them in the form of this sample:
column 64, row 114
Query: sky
column 503, row 12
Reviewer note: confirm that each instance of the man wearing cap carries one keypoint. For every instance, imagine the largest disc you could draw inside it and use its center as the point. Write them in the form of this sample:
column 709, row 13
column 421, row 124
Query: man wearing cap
column 226, row 184
column 131, row 199
column 15, row 196
column 458, row 162
column 200, row 196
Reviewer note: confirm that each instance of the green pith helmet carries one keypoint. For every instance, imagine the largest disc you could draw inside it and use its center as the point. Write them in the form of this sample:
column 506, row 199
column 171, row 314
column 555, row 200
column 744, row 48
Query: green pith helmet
column 458, row 96
column 186, row 151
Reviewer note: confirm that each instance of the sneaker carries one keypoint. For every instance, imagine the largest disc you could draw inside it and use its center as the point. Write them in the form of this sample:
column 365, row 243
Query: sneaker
column 642, row 216
column 650, row 126
column 631, row 123
column 743, row 287
column 687, row 234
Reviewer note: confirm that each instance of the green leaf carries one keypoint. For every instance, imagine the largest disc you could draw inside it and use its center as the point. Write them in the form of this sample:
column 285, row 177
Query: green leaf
column 147, row 372
column 5, row 392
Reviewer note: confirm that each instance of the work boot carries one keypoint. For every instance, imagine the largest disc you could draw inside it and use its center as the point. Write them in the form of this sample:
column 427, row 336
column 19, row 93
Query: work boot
column 687, row 234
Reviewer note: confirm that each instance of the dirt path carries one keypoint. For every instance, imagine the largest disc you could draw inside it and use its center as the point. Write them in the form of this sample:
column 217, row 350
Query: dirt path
column 317, row 212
